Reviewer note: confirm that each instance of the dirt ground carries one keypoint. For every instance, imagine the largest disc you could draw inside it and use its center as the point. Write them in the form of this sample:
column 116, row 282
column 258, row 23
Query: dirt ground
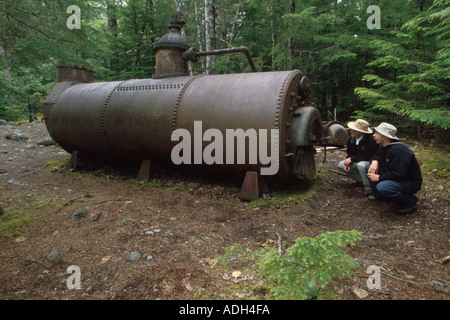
column 183, row 223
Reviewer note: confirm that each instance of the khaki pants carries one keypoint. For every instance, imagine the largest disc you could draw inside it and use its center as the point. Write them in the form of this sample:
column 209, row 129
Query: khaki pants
column 357, row 172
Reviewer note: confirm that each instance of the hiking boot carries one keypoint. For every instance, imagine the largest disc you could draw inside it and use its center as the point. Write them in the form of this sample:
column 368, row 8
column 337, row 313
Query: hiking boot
column 372, row 198
column 406, row 210
column 358, row 184
column 367, row 192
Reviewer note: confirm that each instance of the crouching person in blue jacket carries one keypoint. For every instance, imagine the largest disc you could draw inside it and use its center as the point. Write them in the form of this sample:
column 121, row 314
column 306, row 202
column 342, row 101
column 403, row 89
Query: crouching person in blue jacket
column 394, row 171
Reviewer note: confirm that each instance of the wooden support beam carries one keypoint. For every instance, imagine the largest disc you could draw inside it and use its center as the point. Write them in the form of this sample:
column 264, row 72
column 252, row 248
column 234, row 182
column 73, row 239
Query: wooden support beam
column 250, row 187
column 144, row 171
column 73, row 161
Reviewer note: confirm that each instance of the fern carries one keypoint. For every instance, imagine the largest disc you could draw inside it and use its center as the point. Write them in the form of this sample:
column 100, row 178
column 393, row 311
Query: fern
column 368, row 94
column 376, row 80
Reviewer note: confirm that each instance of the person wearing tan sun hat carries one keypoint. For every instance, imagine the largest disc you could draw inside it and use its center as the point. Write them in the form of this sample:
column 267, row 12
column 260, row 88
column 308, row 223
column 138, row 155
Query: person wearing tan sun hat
column 361, row 146
column 394, row 171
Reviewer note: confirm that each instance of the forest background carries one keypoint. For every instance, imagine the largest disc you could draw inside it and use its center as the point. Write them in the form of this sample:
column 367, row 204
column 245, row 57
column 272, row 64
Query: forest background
column 398, row 72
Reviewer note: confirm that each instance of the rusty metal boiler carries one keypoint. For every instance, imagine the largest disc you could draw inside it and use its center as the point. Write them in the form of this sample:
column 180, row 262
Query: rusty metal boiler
column 134, row 119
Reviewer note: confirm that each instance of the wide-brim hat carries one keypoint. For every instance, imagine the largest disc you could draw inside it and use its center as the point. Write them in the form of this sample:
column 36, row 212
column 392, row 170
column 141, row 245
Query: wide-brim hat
column 387, row 130
column 360, row 125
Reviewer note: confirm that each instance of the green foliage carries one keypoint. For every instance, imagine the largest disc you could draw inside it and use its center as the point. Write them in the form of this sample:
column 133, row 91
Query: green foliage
column 21, row 211
column 412, row 69
column 232, row 252
column 401, row 69
column 294, row 195
column 304, row 270
column 16, row 217
column 13, row 222
column 58, row 165
column 33, row 36
column 310, row 262
column 434, row 162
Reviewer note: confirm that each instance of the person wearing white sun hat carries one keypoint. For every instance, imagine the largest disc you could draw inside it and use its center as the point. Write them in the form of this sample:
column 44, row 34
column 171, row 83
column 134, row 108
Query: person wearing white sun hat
column 361, row 146
column 394, row 171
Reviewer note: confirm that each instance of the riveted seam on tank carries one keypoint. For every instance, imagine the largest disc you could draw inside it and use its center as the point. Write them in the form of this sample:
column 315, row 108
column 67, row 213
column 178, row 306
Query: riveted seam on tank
column 282, row 92
column 151, row 87
column 105, row 138
column 52, row 108
column 180, row 95
column 280, row 97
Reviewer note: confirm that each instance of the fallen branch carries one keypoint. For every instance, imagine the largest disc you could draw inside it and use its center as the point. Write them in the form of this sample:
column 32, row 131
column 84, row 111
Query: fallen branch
column 87, row 195
column 341, row 173
column 118, row 199
column 37, row 262
column 154, row 210
column 393, row 277
column 407, row 281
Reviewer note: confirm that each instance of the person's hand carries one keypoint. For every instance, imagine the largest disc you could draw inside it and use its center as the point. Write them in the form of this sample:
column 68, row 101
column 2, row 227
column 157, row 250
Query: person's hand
column 346, row 168
column 347, row 161
column 373, row 168
column 373, row 177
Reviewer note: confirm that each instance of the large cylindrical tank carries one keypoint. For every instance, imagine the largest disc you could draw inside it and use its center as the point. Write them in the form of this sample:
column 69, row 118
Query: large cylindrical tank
column 134, row 119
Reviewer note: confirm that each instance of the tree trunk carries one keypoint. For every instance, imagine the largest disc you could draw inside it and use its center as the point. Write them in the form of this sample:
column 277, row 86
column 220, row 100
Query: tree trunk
column 334, row 98
column 290, row 42
column 274, row 39
column 178, row 5
column 209, row 33
column 112, row 30
column 112, row 21
column 5, row 54
column 233, row 25
column 199, row 33
column 138, row 36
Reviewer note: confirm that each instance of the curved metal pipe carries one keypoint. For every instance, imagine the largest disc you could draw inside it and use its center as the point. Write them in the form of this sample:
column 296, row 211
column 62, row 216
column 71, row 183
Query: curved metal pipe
column 193, row 55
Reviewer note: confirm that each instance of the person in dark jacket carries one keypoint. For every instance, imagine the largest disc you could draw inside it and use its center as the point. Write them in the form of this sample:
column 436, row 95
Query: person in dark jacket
column 361, row 146
column 394, row 171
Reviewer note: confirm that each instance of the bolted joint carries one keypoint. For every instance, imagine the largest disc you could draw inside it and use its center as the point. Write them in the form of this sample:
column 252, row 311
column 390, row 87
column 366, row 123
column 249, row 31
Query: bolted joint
column 191, row 54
